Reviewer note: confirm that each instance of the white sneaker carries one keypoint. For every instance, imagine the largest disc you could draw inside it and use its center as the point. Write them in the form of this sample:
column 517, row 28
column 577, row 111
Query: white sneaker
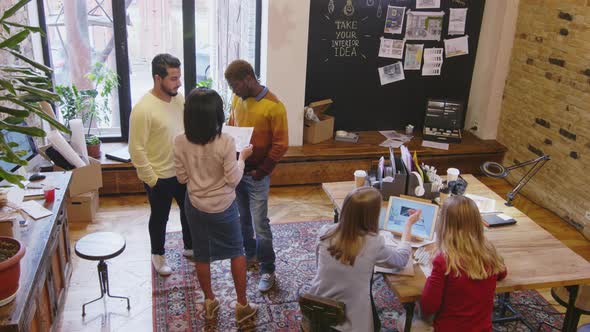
column 188, row 253
column 161, row 265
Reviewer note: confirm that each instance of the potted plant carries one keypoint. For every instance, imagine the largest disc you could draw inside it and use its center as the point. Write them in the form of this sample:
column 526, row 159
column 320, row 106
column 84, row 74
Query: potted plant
column 93, row 146
column 23, row 84
column 90, row 105
column 11, row 252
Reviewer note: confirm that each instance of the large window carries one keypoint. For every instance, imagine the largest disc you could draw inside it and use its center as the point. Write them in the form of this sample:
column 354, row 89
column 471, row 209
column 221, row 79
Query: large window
column 124, row 35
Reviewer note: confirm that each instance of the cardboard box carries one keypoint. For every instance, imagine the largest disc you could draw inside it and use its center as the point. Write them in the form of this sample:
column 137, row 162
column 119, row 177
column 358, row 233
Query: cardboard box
column 315, row 132
column 84, row 179
column 82, row 207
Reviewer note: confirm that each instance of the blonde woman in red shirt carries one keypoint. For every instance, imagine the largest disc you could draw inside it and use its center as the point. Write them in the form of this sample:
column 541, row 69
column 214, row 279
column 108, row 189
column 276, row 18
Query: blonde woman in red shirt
column 460, row 291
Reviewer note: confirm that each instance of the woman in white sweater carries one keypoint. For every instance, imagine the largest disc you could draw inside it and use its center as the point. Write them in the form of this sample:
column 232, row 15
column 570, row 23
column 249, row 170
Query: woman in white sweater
column 205, row 159
column 348, row 252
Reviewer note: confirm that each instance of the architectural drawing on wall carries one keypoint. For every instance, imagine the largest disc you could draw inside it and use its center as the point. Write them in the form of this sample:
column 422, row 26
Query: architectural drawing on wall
column 370, row 3
column 348, row 9
column 424, row 25
column 391, row 48
column 391, row 73
column 433, row 60
column 457, row 20
column 394, row 21
column 423, row 4
column 413, row 58
column 456, row 46
column 379, row 10
column 331, row 6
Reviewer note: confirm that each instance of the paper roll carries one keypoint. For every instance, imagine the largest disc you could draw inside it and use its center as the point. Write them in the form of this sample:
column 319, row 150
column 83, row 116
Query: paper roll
column 78, row 141
column 60, row 144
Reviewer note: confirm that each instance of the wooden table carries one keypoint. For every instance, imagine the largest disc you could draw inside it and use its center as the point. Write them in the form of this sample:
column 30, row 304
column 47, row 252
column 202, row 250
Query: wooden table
column 534, row 258
column 46, row 267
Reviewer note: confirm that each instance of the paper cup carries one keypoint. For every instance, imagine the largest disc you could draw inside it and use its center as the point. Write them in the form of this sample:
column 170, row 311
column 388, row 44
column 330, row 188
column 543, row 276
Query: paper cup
column 359, row 178
column 452, row 174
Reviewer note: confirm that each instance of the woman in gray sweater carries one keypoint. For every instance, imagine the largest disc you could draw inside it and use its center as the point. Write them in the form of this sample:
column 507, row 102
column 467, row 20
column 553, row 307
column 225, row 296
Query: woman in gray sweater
column 348, row 252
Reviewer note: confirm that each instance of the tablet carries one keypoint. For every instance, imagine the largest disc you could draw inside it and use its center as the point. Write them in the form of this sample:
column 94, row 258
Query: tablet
column 398, row 211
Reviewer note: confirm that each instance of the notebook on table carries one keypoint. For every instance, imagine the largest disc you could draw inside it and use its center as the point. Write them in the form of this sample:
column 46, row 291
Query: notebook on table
column 497, row 219
column 121, row 155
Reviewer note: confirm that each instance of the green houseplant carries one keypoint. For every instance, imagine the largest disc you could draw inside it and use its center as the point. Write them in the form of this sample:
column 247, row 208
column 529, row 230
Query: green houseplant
column 22, row 87
column 91, row 105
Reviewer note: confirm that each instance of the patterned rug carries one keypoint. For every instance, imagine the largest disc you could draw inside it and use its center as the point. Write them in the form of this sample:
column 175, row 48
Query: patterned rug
column 178, row 301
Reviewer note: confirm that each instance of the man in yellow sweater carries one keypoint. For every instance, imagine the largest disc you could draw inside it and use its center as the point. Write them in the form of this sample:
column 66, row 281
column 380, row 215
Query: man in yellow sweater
column 155, row 120
column 253, row 105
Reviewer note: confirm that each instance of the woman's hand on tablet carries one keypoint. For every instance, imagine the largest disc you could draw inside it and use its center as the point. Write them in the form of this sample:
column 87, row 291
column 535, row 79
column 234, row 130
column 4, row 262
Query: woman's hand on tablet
column 412, row 219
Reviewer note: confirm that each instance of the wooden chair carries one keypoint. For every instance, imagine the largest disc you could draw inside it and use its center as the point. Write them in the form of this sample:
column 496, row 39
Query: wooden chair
column 582, row 304
column 320, row 313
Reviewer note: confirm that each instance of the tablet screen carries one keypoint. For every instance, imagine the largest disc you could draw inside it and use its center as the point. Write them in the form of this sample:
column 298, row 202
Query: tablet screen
column 400, row 209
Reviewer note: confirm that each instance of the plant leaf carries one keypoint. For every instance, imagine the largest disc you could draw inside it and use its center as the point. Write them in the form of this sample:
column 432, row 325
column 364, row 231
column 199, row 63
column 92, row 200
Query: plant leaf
column 6, row 84
column 37, row 65
column 14, row 120
column 14, row 112
column 32, row 131
column 47, row 95
column 10, row 11
column 14, row 40
column 26, row 27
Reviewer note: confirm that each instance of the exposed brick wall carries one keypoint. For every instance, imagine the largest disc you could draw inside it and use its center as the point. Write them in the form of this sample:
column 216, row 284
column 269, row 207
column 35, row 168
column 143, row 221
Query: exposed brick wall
column 546, row 106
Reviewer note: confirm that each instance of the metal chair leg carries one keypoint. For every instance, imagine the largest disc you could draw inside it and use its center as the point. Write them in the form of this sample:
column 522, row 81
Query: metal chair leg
column 103, row 280
column 106, row 282
column 102, row 291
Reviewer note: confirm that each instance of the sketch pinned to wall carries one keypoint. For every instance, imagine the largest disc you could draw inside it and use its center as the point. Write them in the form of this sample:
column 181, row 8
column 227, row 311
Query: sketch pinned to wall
column 457, row 20
column 391, row 73
column 456, row 46
column 424, row 25
column 413, row 59
column 391, row 48
column 394, row 21
column 433, row 60
column 423, row 4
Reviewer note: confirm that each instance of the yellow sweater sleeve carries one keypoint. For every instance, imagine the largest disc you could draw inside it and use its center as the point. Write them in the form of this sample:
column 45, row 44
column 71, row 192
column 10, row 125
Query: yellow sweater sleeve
column 139, row 129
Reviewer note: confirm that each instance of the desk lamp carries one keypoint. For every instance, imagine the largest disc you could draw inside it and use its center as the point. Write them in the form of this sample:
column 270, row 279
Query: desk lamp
column 497, row 170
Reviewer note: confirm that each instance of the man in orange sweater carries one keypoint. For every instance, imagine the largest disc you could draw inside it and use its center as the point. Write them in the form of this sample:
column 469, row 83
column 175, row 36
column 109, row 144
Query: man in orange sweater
column 253, row 105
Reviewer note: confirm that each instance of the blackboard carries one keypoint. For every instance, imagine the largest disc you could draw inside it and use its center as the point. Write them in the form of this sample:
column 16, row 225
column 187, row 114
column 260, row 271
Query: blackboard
column 347, row 70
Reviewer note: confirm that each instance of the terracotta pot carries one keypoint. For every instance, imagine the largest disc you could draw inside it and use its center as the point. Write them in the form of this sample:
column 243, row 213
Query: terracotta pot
column 93, row 150
column 10, row 269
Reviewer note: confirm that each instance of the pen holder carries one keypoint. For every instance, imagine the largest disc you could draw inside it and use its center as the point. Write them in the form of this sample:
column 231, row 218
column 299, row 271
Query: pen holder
column 395, row 188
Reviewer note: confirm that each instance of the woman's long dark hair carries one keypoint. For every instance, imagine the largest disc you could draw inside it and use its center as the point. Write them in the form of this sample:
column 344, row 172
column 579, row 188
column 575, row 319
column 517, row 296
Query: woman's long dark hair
column 203, row 116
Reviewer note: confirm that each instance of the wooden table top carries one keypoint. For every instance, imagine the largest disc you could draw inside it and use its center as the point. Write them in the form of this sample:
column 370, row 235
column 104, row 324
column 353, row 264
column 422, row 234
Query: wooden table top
column 36, row 237
column 534, row 258
column 100, row 246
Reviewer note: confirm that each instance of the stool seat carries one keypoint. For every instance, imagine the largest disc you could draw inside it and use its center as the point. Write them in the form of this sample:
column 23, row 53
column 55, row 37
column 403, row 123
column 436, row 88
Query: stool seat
column 100, row 246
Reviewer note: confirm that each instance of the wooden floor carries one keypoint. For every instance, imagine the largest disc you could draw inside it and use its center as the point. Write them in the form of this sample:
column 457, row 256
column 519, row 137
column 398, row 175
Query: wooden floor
column 130, row 273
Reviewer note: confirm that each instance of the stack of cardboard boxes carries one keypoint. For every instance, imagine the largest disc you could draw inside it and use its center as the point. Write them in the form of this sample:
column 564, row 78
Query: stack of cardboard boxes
column 82, row 195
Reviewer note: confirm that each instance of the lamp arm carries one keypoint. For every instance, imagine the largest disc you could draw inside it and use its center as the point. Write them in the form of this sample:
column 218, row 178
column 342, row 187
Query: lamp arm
column 526, row 178
column 528, row 162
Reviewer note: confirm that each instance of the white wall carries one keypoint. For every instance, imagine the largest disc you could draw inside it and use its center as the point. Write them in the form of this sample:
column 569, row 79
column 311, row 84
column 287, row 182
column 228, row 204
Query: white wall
column 284, row 46
column 491, row 67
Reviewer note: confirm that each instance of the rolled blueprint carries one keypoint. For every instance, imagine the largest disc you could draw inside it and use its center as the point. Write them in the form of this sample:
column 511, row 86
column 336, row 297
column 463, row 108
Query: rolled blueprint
column 78, row 142
column 60, row 144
